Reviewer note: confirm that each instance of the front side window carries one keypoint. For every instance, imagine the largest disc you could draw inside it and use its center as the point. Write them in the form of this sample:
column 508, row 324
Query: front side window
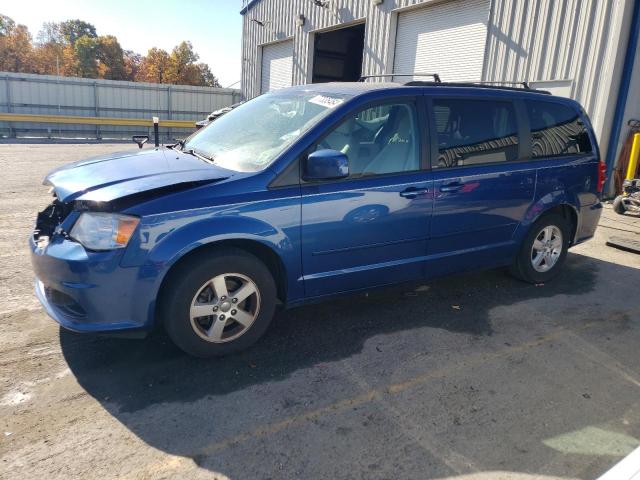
column 250, row 137
column 472, row 132
column 556, row 130
column 378, row 140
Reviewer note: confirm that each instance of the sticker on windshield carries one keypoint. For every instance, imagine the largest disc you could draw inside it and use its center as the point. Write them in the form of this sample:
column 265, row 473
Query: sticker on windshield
column 328, row 102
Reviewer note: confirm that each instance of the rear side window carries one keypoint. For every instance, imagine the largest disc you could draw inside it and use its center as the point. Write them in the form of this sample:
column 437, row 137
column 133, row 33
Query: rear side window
column 473, row 132
column 556, row 130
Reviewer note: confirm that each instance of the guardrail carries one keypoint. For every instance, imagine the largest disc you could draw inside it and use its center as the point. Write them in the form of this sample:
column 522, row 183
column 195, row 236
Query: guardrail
column 80, row 120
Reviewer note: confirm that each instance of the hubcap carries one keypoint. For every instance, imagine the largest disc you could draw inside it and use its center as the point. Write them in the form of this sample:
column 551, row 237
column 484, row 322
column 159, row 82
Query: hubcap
column 225, row 307
column 547, row 248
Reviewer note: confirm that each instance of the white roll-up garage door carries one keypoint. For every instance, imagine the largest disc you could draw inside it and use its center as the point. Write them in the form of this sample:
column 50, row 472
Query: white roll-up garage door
column 447, row 38
column 277, row 66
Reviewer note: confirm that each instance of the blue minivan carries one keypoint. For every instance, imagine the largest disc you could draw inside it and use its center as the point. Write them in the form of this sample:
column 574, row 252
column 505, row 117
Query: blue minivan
column 310, row 192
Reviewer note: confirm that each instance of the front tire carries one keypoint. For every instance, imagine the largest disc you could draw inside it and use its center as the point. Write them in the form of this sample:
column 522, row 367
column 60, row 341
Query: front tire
column 217, row 303
column 544, row 250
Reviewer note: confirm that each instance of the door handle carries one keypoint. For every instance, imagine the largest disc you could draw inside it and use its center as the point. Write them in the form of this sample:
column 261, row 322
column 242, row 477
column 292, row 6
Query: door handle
column 413, row 192
column 451, row 187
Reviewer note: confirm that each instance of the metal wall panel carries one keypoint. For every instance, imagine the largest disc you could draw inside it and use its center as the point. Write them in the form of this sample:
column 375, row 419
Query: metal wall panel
column 448, row 38
column 279, row 18
column 277, row 66
column 51, row 95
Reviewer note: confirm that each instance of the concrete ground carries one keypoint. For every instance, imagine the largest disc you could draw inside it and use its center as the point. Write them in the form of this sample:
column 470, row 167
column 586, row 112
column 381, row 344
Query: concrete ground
column 474, row 377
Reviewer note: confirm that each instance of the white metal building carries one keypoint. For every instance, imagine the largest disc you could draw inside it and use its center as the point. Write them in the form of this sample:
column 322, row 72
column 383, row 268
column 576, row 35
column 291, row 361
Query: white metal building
column 584, row 49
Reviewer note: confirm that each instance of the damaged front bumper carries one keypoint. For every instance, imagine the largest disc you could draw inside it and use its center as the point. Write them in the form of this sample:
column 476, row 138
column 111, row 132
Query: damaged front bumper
column 88, row 291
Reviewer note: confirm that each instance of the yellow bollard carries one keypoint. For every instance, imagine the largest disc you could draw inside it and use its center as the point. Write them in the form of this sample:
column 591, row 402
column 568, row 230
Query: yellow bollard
column 633, row 157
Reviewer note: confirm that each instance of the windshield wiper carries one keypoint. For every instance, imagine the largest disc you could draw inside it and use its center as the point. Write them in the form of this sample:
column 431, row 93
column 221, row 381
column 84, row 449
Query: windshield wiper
column 179, row 144
column 202, row 156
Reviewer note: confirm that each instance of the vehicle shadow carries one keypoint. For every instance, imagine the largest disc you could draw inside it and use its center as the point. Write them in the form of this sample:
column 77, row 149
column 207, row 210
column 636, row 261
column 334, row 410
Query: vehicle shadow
column 129, row 376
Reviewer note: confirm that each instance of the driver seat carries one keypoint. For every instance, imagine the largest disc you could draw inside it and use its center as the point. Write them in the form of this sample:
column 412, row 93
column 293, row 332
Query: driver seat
column 399, row 151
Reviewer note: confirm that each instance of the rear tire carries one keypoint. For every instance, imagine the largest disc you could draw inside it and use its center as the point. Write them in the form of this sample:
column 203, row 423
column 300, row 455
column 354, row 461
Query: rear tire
column 217, row 303
column 618, row 205
column 544, row 250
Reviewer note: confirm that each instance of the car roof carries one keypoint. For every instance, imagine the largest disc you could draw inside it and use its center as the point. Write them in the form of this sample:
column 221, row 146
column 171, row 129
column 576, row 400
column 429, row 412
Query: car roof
column 356, row 89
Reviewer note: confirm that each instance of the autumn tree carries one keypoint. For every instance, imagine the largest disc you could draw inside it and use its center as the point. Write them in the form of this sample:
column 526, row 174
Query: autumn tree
column 110, row 58
column 50, row 33
column 73, row 48
column 132, row 61
column 153, row 67
column 48, row 52
column 84, row 57
column 73, row 30
column 6, row 25
column 69, row 48
column 183, row 69
column 208, row 79
column 15, row 47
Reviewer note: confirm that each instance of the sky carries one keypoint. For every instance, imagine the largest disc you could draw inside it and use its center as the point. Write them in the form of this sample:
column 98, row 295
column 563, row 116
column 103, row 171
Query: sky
column 214, row 27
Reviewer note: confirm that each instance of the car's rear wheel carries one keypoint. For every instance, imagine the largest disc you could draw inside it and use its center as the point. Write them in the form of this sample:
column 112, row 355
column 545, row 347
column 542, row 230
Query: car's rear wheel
column 544, row 250
column 218, row 303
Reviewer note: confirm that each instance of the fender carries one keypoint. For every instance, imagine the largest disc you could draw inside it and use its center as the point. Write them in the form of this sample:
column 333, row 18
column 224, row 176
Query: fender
column 542, row 205
column 161, row 243
column 178, row 243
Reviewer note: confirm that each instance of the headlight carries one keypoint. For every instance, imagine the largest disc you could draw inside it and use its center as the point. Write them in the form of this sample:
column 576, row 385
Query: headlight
column 104, row 231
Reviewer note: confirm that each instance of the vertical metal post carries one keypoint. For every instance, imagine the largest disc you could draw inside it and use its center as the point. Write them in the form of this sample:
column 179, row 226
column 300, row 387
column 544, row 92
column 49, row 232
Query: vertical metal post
column 633, row 157
column 9, row 109
column 169, row 111
column 58, row 94
column 156, row 133
column 96, row 104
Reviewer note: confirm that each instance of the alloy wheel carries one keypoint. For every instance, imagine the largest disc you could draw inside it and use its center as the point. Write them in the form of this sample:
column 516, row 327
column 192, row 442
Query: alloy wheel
column 225, row 307
column 546, row 249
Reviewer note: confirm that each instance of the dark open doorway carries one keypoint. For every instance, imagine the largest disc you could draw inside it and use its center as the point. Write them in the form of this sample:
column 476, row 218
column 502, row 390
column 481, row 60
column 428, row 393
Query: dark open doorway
column 337, row 55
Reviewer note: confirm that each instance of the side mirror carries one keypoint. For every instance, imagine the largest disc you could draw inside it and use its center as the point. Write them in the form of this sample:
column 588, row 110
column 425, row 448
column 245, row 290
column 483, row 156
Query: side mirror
column 140, row 139
column 326, row 165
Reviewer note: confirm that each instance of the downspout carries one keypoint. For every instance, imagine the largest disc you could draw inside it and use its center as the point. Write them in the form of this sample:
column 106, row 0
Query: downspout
column 621, row 103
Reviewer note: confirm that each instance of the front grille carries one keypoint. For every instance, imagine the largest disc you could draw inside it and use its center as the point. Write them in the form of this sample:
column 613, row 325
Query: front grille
column 49, row 219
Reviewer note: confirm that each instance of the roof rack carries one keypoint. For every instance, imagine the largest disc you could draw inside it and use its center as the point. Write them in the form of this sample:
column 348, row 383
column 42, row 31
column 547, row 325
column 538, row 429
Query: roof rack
column 497, row 85
column 524, row 85
column 436, row 77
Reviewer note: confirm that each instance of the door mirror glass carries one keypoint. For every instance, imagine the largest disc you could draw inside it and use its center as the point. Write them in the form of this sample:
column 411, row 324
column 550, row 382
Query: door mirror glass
column 326, row 165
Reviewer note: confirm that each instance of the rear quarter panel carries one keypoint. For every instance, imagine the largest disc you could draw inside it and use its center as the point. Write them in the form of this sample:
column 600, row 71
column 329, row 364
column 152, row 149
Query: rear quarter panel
column 570, row 180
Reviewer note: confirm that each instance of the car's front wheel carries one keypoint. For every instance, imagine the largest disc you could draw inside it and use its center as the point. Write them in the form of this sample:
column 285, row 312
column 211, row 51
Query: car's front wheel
column 544, row 250
column 218, row 303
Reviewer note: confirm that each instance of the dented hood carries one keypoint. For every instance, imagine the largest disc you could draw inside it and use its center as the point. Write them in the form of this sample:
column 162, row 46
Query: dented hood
column 107, row 178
